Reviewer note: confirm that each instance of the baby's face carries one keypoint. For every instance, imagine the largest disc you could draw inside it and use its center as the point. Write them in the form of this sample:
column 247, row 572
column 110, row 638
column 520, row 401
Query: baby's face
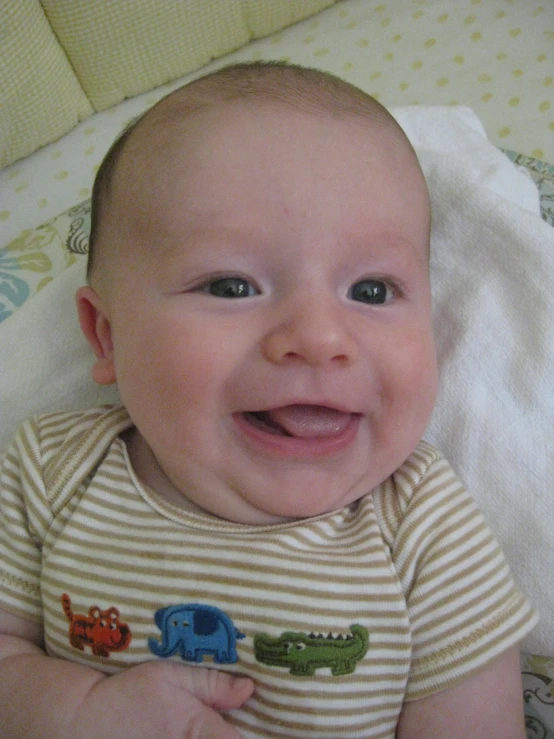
column 270, row 313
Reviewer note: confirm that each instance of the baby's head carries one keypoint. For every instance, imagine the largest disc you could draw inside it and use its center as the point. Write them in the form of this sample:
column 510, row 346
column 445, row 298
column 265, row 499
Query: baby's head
column 170, row 123
column 260, row 293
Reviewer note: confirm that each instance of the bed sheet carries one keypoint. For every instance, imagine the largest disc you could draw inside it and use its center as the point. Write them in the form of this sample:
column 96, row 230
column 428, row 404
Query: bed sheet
column 496, row 56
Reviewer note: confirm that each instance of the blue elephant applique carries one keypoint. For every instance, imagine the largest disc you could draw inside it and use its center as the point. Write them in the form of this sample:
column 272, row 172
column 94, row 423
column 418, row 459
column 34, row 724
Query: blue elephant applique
column 194, row 630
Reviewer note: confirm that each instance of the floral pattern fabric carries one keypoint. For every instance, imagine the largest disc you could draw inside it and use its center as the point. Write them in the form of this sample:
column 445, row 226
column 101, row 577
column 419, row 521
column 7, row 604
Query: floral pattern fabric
column 538, row 695
column 37, row 256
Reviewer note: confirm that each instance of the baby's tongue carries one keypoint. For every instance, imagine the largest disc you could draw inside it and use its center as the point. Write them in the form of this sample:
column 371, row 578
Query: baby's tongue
column 308, row 421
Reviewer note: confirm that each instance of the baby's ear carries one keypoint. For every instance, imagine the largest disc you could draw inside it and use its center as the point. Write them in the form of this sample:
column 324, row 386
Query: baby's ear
column 96, row 327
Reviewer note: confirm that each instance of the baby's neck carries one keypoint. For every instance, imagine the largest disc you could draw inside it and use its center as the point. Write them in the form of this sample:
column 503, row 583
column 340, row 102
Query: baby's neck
column 151, row 476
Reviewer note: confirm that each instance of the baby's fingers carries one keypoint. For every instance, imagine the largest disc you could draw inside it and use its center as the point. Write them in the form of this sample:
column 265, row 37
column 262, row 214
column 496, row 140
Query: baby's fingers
column 205, row 723
column 211, row 691
column 217, row 689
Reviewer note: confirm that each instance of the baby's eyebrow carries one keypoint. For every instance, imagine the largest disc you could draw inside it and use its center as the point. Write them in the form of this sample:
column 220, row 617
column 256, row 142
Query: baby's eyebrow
column 377, row 243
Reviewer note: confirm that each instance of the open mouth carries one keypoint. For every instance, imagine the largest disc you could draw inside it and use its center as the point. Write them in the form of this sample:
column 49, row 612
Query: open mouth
column 301, row 421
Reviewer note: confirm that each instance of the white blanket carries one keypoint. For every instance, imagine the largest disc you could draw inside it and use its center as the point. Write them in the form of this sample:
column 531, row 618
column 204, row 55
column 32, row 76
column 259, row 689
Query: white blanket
column 493, row 283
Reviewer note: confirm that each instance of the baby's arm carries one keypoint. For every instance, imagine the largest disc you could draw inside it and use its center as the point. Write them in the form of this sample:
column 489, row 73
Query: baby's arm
column 41, row 696
column 486, row 705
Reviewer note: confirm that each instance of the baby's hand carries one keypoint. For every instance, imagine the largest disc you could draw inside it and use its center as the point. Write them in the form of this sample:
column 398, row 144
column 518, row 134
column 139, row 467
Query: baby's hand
column 164, row 700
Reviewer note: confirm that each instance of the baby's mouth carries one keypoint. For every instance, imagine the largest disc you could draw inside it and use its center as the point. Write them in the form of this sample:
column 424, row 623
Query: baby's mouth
column 301, row 421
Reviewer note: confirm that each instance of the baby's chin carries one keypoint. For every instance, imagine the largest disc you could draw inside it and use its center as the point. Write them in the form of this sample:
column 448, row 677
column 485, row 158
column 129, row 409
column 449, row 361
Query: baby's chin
column 306, row 496
column 279, row 466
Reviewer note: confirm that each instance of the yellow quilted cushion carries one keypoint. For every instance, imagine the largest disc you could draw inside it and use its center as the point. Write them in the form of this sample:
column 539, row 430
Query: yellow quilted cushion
column 40, row 96
column 267, row 16
column 119, row 49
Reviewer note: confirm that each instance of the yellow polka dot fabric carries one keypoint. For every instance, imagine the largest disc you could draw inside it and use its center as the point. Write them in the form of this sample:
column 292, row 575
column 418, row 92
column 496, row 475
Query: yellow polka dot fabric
column 495, row 56
column 40, row 96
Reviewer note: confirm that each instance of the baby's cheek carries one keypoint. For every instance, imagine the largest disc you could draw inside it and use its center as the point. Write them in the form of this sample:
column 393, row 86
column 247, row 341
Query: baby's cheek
column 417, row 378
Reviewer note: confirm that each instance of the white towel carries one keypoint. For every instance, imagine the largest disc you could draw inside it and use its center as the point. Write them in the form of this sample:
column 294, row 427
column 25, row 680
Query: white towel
column 493, row 289
column 493, row 284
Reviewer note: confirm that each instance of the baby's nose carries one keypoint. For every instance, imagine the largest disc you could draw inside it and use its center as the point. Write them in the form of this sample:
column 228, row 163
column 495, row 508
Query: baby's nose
column 314, row 334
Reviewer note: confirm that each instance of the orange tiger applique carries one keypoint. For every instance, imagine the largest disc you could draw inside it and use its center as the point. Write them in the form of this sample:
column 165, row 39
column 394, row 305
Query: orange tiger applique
column 102, row 631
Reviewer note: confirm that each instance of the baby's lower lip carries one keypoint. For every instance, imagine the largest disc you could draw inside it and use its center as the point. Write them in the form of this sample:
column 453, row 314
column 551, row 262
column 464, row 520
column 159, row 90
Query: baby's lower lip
column 272, row 440
column 301, row 420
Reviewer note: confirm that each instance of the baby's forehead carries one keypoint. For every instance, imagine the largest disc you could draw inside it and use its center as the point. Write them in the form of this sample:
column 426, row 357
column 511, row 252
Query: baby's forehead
column 161, row 147
column 172, row 127
column 184, row 145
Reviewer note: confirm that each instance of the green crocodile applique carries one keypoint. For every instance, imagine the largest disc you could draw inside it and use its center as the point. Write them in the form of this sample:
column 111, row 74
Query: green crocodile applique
column 305, row 653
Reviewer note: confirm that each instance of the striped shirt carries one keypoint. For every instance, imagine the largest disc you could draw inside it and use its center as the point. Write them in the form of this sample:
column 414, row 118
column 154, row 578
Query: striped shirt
column 338, row 618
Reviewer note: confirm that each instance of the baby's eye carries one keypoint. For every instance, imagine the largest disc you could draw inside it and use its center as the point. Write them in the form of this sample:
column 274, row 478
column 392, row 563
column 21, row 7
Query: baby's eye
column 230, row 287
column 373, row 292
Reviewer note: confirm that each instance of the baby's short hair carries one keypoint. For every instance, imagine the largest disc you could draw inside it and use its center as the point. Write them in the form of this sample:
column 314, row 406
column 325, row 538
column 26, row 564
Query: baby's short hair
column 302, row 88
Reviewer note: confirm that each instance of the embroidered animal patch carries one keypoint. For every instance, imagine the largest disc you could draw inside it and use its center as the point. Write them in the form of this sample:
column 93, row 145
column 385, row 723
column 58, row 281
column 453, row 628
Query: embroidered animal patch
column 102, row 631
column 306, row 653
column 194, row 631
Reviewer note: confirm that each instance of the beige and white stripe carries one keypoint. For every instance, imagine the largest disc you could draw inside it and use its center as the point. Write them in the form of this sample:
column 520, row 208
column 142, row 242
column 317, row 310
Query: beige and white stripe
column 413, row 562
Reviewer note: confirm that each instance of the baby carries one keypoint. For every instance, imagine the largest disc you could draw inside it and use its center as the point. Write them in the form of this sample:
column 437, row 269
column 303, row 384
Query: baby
column 256, row 543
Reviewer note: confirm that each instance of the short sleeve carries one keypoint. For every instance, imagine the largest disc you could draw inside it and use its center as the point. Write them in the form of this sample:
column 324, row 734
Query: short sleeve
column 464, row 606
column 24, row 519
column 43, row 468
